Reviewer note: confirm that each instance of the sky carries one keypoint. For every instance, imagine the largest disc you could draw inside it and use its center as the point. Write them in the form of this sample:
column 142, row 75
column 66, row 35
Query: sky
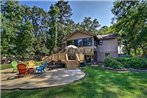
column 101, row 10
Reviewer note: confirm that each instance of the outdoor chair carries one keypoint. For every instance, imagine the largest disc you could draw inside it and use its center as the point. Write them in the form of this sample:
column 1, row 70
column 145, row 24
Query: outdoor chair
column 41, row 68
column 14, row 66
column 31, row 64
column 22, row 70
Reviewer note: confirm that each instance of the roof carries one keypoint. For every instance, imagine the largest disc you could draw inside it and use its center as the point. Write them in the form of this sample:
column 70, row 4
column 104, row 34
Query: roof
column 66, row 37
column 107, row 36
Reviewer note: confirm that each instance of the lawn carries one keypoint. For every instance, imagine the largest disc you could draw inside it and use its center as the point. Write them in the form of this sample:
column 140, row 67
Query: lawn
column 6, row 66
column 98, row 83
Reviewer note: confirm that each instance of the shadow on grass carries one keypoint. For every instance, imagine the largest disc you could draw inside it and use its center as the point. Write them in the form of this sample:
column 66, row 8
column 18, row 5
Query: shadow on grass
column 98, row 83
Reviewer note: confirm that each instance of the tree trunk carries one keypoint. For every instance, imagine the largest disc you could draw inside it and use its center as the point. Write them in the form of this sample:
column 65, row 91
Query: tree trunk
column 135, row 51
column 143, row 50
column 128, row 50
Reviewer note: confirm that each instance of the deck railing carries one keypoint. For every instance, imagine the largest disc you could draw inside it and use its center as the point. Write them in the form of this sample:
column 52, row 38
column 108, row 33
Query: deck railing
column 64, row 57
column 86, row 51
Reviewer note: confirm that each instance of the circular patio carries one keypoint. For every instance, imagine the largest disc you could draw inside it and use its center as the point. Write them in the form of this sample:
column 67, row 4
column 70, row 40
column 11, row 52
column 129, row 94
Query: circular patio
column 49, row 78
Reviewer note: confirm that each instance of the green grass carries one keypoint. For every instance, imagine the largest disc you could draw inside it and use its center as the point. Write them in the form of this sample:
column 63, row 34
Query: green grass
column 98, row 83
column 6, row 66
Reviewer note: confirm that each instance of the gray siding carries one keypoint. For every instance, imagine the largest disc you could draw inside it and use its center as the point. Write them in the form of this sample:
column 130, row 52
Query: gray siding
column 109, row 46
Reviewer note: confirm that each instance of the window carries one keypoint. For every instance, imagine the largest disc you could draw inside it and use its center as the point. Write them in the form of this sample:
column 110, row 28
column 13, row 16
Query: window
column 71, row 42
column 107, row 54
column 76, row 42
column 100, row 42
column 87, row 41
column 80, row 42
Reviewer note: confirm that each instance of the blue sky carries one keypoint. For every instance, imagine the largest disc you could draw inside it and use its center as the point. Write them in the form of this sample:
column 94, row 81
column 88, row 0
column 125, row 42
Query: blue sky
column 101, row 10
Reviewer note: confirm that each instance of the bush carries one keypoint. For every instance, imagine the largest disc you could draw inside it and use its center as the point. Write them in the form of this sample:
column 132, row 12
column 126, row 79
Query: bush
column 126, row 62
column 110, row 62
column 133, row 62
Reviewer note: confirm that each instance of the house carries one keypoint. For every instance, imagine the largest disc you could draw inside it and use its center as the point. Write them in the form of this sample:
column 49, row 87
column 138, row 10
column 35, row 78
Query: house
column 94, row 47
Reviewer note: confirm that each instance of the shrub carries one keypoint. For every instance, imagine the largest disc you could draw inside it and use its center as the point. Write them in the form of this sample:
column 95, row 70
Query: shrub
column 110, row 62
column 127, row 62
column 133, row 62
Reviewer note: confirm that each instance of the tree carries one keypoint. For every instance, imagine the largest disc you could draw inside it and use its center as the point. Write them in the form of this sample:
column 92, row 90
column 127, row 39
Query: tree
column 130, row 17
column 40, row 21
column 70, row 27
column 17, row 31
column 63, row 20
column 65, row 11
column 24, row 41
column 11, row 20
column 88, row 25
column 52, row 39
column 106, row 30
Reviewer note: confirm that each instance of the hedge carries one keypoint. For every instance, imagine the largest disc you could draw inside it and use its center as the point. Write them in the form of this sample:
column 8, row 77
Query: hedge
column 110, row 62
column 133, row 62
column 125, row 62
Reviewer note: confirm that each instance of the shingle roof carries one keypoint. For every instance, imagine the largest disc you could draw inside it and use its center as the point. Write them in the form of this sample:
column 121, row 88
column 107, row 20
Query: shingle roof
column 107, row 36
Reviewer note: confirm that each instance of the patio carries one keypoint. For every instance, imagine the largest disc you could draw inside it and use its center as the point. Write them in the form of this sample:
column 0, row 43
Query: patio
column 49, row 78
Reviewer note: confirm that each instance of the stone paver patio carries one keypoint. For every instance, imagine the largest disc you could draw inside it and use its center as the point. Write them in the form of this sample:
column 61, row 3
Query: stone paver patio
column 49, row 78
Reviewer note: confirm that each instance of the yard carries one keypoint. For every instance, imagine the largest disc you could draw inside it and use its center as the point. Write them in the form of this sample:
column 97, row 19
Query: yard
column 98, row 83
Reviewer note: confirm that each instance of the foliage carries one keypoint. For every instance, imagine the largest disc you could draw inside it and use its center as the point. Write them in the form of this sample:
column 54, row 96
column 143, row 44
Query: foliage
column 133, row 62
column 62, row 20
column 25, row 31
column 40, row 21
column 125, row 62
column 30, row 31
column 11, row 20
column 130, row 22
column 106, row 30
column 110, row 62
column 88, row 25
column 54, row 14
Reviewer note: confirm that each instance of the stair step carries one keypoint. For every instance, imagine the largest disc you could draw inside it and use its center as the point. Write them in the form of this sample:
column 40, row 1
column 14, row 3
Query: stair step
column 72, row 64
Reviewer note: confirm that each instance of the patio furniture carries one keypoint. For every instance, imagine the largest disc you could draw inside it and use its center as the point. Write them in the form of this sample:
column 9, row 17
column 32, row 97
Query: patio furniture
column 14, row 66
column 41, row 68
column 22, row 69
column 31, row 64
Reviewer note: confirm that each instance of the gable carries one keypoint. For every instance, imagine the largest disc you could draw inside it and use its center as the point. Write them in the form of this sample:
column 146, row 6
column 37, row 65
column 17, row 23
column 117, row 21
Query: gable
column 78, row 35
